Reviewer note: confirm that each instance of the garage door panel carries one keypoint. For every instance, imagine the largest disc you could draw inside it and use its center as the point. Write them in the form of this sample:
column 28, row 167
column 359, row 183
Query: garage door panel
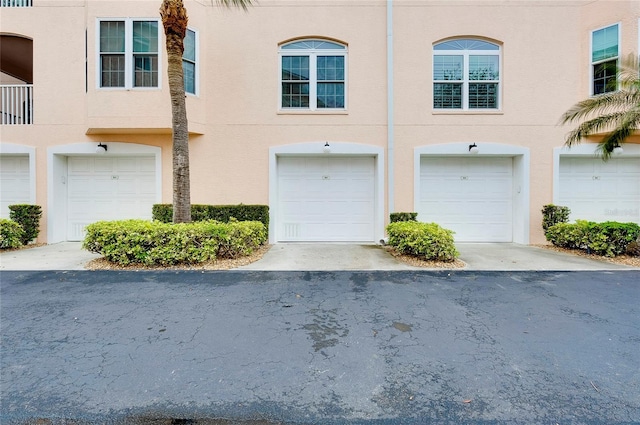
column 435, row 209
column 471, row 196
column 600, row 191
column 127, row 165
column 80, row 164
column 102, row 165
column 325, row 198
column 15, row 182
column 108, row 188
column 361, row 210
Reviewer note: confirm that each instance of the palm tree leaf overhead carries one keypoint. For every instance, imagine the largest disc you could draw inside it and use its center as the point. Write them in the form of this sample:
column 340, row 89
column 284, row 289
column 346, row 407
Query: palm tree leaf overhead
column 235, row 3
column 616, row 113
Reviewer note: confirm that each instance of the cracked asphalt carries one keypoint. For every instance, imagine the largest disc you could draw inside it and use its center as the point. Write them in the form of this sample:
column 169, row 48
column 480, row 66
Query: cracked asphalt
column 370, row 347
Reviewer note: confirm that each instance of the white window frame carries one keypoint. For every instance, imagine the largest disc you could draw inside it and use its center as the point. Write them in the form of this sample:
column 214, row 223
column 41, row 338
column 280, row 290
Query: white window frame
column 465, row 74
column 313, row 78
column 592, row 64
column 196, row 62
column 128, row 54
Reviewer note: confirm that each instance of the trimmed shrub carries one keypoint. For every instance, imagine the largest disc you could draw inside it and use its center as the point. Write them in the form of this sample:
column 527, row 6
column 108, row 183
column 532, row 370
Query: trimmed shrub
column 223, row 213
column 164, row 212
column 608, row 239
column 11, row 234
column 402, row 216
column 554, row 214
column 426, row 240
column 163, row 244
column 568, row 235
column 28, row 216
column 619, row 236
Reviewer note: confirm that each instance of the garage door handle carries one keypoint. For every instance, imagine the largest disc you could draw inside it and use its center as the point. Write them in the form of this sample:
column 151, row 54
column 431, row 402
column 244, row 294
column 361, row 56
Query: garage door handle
column 464, row 177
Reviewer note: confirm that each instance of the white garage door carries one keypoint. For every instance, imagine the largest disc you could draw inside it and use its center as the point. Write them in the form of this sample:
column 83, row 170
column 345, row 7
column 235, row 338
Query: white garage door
column 14, row 182
column 471, row 196
column 108, row 188
column 601, row 191
column 325, row 199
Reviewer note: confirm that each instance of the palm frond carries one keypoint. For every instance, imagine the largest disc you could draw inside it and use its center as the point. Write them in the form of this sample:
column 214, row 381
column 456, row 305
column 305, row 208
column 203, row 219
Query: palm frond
column 244, row 4
column 617, row 113
column 595, row 125
column 626, row 125
column 603, row 103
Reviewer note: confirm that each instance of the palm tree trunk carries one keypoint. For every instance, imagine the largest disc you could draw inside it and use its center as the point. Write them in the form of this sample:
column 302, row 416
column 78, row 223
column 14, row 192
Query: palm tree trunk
column 174, row 20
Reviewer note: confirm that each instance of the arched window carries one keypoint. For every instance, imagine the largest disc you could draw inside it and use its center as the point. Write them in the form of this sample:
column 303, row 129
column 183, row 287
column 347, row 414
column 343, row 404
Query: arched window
column 312, row 75
column 466, row 75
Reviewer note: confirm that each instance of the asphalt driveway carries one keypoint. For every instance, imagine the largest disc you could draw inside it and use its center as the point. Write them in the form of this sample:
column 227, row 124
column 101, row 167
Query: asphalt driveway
column 392, row 347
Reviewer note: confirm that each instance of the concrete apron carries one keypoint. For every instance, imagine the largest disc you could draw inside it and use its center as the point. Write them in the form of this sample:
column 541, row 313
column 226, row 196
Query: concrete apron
column 336, row 256
column 476, row 256
column 326, row 256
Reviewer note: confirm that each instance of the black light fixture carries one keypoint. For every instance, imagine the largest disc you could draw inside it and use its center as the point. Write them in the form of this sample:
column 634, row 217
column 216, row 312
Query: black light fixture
column 474, row 148
column 102, row 148
column 326, row 148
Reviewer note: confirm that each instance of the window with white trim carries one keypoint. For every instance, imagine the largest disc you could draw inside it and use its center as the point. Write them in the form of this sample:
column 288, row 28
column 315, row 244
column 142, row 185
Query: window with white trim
column 128, row 53
column 466, row 75
column 313, row 75
column 189, row 62
column 605, row 51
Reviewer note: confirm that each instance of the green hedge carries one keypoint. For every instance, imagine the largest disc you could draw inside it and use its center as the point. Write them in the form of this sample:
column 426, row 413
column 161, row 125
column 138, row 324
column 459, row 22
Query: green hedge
column 427, row 240
column 554, row 214
column 164, row 244
column 223, row 213
column 28, row 216
column 11, row 234
column 609, row 238
column 402, row 216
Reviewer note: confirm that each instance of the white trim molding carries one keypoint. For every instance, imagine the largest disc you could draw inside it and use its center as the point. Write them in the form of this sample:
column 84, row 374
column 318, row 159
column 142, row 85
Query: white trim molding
column 317, row 149
column 521, row 176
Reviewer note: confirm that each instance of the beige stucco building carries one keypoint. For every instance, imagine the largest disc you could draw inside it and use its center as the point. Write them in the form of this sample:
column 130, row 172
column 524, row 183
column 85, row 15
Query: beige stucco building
column 332, row 112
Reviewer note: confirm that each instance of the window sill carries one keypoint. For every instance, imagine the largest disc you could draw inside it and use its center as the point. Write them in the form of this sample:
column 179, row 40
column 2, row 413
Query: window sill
column 121, row 89
column 316, row 112
column 466, row 112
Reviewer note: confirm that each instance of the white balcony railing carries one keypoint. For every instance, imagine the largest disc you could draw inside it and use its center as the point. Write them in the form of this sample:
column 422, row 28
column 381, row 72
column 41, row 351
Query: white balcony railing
column 16, row 3
column 16, row 104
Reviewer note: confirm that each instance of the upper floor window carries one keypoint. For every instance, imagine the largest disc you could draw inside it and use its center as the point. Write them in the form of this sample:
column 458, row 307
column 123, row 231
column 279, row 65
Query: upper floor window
column 16, row 3
column 466, row 75
column 313, row 75
column 604, row 59
column 189, row 62
column 129, row 53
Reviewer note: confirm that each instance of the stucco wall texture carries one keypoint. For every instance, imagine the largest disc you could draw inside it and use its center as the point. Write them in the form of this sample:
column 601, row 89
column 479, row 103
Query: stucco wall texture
column 235, row 118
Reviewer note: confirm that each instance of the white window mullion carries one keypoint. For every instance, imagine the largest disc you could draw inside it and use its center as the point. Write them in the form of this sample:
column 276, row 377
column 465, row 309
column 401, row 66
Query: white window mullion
column 128, row 54
column 465, row 81
column 313, row 81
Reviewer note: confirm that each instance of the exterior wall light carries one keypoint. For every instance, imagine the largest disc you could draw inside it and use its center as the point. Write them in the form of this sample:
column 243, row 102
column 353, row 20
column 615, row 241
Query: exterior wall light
column 474, row 148
column 326, row 148
column 617, row 149
column 101, row 149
